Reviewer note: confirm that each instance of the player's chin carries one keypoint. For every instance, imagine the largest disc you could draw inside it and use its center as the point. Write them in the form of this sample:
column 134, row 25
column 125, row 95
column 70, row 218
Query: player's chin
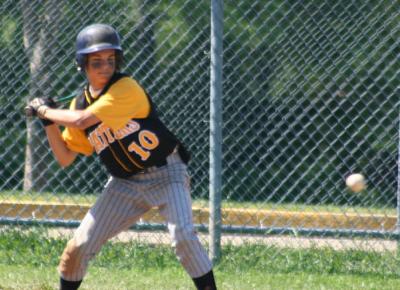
column 105, row 77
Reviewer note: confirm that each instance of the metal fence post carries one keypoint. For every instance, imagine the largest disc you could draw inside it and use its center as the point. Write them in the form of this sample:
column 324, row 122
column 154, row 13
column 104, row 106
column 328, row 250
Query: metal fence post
column 398, row 190
column 215, row 128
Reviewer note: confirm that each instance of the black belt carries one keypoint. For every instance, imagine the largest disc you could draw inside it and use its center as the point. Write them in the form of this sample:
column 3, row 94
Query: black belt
column 161, row 163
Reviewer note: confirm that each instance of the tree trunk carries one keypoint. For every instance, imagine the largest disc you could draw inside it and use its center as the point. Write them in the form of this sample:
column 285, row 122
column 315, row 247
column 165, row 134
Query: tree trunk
column 40, row 21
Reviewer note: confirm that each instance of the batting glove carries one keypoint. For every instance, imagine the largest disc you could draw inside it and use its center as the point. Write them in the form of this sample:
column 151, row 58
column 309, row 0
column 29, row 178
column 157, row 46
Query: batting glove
column 39, row 106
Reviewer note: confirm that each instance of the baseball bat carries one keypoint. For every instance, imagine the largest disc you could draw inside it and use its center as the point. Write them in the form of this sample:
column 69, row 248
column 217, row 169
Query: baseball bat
column 29, row 112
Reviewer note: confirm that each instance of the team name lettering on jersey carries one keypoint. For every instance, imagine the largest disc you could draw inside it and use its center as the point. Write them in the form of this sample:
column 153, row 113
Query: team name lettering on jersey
column 102, row 136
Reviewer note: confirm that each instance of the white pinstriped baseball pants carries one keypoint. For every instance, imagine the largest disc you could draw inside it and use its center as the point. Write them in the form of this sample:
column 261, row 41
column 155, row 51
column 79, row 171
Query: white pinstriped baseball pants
column 124, row 201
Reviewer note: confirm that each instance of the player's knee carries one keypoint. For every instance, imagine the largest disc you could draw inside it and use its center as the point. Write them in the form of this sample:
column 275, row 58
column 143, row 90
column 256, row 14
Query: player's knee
column 184, row 235
column 71, row 258
column 185, row 239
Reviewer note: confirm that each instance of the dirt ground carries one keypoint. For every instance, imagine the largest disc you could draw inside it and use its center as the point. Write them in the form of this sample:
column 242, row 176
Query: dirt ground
column 159, row 237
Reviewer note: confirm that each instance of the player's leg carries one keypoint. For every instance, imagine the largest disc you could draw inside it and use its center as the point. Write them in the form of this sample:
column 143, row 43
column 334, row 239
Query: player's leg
column 109, row 216
column 188, row 249
column 176, row 206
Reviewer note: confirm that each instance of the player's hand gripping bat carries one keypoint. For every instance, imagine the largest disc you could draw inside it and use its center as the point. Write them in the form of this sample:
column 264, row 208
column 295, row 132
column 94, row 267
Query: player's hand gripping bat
column 31, row 109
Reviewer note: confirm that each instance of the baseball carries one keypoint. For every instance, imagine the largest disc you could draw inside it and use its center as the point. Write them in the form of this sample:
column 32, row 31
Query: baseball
column 356, row 182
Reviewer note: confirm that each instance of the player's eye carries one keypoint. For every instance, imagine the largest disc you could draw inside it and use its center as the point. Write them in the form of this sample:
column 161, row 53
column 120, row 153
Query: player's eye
column 99, row 63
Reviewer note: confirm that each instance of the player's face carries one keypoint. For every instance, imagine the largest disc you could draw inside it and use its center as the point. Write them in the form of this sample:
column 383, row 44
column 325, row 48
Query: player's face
column 100, row 67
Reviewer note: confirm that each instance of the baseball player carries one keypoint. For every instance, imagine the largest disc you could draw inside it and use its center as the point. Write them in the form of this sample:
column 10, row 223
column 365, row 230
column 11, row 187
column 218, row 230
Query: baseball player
column 147, row 164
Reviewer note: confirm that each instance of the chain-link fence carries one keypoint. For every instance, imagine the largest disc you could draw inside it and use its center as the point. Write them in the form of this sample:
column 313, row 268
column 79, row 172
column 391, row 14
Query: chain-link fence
column 309, row 96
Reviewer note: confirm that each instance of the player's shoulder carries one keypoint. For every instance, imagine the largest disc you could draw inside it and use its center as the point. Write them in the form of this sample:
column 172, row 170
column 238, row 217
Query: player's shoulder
column 127, row 80
column 126, row 83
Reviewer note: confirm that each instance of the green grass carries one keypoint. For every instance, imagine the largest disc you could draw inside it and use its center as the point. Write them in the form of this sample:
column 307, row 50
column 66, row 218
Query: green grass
column 90, row 198
column 28, row 260
column 100, row 278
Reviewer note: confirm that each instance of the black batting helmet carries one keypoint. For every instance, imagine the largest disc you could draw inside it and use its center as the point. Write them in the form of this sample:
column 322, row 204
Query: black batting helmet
column 97, row 37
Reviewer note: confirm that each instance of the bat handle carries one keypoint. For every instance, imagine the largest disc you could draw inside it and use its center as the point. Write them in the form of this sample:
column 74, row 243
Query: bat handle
column 29, row 112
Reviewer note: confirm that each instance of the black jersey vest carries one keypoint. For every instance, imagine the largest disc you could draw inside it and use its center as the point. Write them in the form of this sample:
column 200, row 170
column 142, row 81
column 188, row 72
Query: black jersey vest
column 141, row 144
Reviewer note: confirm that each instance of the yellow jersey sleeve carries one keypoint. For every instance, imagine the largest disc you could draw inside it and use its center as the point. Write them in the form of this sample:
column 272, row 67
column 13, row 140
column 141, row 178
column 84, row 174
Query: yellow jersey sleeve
column 76, row 139
column 123, row 101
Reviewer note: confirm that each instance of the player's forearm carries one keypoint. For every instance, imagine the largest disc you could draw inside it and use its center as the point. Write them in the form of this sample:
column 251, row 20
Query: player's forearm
column 63, row 155
column 71, row 118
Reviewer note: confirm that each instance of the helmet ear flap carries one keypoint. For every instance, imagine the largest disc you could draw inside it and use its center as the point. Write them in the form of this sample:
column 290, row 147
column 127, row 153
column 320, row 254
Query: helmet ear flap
column 80, row 62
